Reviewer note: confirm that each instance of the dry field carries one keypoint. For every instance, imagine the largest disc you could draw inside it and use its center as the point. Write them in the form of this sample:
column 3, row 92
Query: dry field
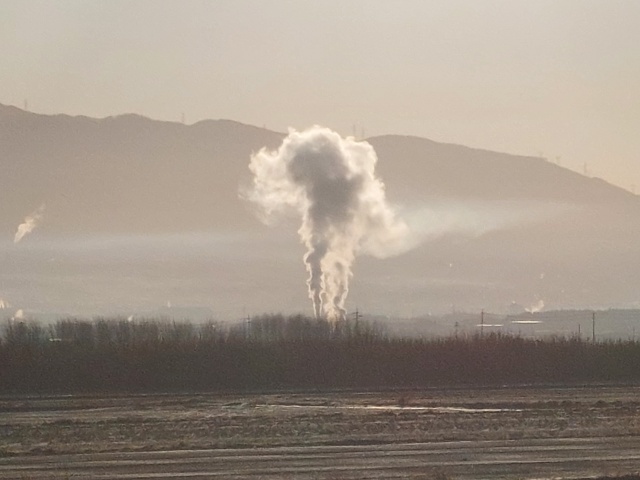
column 35, row 429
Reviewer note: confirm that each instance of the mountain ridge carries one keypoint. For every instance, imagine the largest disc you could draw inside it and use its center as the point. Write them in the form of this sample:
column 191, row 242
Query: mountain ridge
column 494, row 228
column 119, row 166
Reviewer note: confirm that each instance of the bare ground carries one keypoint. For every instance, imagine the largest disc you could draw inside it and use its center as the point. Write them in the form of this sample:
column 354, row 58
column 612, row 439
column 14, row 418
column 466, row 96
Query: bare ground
column 52, row 427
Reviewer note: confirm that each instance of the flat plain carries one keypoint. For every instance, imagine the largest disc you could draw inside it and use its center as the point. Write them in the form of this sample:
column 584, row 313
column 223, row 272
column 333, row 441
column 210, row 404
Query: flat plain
column 457, row 433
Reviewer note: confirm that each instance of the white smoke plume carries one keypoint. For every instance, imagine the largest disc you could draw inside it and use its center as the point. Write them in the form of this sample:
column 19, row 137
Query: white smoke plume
column 30, row 222
column 536, row 307
column 331, row 183
column 475, row 218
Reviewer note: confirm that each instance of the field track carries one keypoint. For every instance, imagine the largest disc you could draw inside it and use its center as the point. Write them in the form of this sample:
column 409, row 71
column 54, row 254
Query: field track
column 534, row 458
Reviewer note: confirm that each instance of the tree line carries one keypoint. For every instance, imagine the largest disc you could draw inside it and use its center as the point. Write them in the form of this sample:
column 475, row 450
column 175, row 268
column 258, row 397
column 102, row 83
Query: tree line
column 272, row 352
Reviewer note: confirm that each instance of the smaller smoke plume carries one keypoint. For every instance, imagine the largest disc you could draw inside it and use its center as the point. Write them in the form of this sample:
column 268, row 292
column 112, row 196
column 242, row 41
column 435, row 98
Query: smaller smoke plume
column 30, row 223
column 3, row 304
column 19, row 315
column 536, row 307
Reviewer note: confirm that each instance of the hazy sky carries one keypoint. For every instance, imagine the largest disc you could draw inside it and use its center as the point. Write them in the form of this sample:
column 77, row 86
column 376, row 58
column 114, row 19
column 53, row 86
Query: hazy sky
column 557, row 78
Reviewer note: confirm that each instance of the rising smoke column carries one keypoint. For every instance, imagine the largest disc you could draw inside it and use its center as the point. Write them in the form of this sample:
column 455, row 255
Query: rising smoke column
column 331, row 183
column 30, row 222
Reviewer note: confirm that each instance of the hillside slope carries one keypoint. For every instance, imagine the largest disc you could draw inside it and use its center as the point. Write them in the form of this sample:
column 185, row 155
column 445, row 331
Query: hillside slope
column 133, row 174
column 495, row 228
column 125, row 173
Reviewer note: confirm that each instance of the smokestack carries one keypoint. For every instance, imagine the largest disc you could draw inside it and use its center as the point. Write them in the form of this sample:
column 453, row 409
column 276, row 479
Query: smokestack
column 330, row 182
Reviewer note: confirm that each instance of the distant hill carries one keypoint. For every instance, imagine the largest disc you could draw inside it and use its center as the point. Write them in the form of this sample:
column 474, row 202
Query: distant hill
column 565, row 238
column 428, row 169
column 126, row 173
column 133, row 174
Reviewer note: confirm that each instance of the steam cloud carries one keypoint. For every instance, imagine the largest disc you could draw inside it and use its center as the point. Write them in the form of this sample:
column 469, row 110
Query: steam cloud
column 30, row 223
column 476, row 218
column 536, row 307
column 330, row 182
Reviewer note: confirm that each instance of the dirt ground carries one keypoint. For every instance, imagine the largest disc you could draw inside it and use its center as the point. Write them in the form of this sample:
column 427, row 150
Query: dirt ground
column 136, row 423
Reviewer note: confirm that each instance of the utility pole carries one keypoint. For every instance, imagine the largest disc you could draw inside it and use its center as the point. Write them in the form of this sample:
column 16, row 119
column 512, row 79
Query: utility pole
column 357, row 316
column 593, row 327
column 482, row 323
